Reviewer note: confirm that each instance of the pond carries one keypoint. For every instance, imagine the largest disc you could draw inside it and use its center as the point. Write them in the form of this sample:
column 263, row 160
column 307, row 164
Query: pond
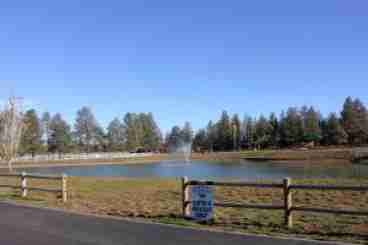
column 235, row 170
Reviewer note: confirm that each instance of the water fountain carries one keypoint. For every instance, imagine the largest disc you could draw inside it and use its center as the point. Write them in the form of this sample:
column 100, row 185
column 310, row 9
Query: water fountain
column 182, row 152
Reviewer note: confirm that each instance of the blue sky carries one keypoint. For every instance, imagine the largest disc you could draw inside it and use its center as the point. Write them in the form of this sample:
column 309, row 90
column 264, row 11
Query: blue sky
column 183, row 60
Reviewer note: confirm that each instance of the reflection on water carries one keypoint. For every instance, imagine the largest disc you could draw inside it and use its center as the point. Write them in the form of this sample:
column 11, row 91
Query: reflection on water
column 236, row 170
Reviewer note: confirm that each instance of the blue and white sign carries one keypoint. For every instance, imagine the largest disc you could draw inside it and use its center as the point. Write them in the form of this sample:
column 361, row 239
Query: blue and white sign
column 202, row 202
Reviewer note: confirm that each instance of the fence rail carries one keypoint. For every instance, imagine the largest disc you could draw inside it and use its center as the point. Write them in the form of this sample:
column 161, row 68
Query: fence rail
column 287, row 188
column 25, row 188
column 83, row 156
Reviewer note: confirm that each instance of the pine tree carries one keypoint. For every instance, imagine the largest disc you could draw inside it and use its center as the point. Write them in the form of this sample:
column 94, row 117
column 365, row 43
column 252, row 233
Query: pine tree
column 275, row 134
column 335, row 133
column 31, row 141
column 263, row 132
column 60, row 135
column 354, row 120
column 235, row 121
column 200, row 141
column 250, row 133
column 291, row 130
column 174, row 140
column 116, row 135
column 86, row 129
column 211, row 136
column 225, row 133
column 46, row 117
column 132, row 131
column 311, row 125
column 187, row 133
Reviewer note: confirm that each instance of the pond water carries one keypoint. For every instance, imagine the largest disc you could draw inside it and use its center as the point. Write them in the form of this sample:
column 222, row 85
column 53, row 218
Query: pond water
column 235, row 170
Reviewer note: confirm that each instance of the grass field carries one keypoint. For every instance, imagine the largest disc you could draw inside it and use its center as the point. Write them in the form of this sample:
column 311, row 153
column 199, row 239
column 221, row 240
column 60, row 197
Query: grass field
column 160, row 201
column 316, row 156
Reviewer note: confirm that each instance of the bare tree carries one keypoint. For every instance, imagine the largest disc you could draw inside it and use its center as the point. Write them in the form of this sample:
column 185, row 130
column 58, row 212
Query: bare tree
column 11, row 127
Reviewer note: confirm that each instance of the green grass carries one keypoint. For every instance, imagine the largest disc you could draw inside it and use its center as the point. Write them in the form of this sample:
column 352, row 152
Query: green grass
column 159, row 200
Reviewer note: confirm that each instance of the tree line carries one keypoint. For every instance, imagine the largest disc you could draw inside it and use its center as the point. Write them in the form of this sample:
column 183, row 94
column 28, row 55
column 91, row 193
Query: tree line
column 294, row 127
column 140, row 132
column 53, row 134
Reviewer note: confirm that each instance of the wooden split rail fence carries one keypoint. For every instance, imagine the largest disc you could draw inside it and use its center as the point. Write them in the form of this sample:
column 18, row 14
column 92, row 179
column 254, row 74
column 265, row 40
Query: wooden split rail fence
column 24, row 187
column 287, row 206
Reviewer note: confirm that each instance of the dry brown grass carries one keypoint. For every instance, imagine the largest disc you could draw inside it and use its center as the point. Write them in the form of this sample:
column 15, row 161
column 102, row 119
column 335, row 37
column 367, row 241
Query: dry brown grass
column 160, row 200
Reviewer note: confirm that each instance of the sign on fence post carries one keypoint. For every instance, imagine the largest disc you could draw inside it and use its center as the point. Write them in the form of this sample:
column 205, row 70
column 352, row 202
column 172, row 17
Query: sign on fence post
column 202, row 202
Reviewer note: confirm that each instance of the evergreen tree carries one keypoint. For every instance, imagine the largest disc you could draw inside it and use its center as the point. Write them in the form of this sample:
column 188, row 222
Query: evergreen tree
column 132, row 131
column 200, row 142
column 116, row 135
column 211, row 136
column 46, row 117
column 354, row 120
column 151, row 137
column 250, row 133
column 187, row 133
column 100, row 143
column 60, row 135
column 291, row 130
column 311, row 125
column 174, row 140
column 362, row 119
column 86, row 128
column 235, row 121
column 263, row 132
column 335, row 134
column 225, row 133
column 31, row 141
column 275, row 134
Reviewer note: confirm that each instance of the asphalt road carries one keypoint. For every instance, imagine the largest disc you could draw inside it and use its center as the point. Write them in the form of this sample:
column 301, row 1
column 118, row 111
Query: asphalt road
column 27, row 226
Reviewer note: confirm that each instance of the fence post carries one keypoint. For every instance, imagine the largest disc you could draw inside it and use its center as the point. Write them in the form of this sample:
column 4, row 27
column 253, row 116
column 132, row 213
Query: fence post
column 24, row 184
column 64, row 188
column 288, row 203
column 184, row 182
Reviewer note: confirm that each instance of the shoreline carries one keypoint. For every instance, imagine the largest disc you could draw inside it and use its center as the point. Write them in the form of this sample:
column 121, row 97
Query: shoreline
column 125, row 161
column 311, row 157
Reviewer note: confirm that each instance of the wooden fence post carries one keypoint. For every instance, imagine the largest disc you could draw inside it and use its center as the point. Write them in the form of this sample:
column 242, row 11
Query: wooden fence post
column 24, row 185
column 184, row 182
column 288, row 203
column 64, row 188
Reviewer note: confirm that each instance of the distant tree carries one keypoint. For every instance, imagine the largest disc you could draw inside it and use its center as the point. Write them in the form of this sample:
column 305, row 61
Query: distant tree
column 45, row 120
column 116, row 135
column 31, row 141
column 151, row 134
column 275, row 134
column 86, row 128
column 236, row 124
column 200, row 142
column 211, row 136
column 100, row 143
column 311, row 125
column 187, row 133
column 132, row 130
column 354, row 120
column 291, row 130
column 263, row 132
column 11, row 128
column 224, row 133
column 60, row 135
column 174, row 139
column 335, row 134
column 250, row 133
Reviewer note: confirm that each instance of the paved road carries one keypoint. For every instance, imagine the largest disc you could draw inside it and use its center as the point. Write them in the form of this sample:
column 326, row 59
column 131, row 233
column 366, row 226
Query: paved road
column 28, row 226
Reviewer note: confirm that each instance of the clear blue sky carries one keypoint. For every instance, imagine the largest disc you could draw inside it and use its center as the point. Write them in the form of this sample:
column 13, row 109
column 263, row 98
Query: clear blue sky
column 183, row 60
